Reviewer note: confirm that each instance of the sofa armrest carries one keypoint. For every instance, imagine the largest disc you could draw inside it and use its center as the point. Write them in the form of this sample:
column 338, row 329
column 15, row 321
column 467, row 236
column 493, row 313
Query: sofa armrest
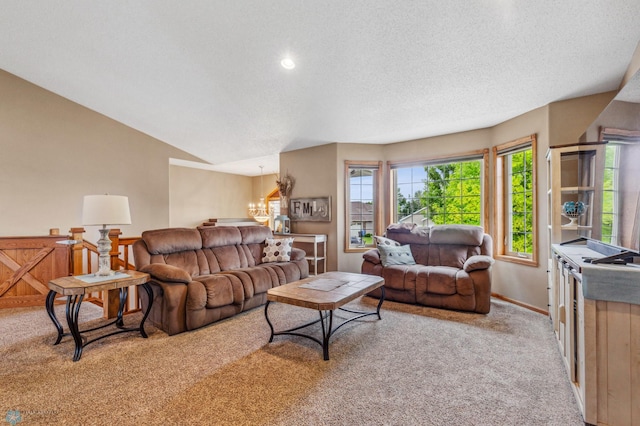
column 372, row 256
column 297, row 254
column 477, row 262
column 167, row 273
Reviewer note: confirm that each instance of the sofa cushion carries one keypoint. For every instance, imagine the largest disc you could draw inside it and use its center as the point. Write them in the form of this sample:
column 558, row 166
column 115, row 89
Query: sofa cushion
column 449, row 255
column 230, row 257
column 277, row 250
column 416, row 235
column 437, row 280
column 478, row 262
column 217, row 236
column 172, row 240
column 372, row 256
column 256, row 280
column 255, row 234
column 396, row 255
column 187, row 260
column 220, row 290
column 468, row 235
column 401, row 277
column 167, row 273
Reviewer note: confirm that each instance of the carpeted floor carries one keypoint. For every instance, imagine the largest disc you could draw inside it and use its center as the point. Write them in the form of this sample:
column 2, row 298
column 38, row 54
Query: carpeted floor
column 418, row 366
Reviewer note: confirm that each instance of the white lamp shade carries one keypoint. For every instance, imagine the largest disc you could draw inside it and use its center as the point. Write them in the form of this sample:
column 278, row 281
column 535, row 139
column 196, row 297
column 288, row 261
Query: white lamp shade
column 106, row 210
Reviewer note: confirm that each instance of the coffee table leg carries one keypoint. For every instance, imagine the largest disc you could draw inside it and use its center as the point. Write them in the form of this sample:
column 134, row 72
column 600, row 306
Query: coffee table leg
column 51, row 297
column 73, row 312
column 266, row 308
column 380, row 303
column 326, row 333
column 149, row 291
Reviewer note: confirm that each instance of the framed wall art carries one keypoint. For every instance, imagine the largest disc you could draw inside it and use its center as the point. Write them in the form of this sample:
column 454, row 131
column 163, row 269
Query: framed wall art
column 310, row 209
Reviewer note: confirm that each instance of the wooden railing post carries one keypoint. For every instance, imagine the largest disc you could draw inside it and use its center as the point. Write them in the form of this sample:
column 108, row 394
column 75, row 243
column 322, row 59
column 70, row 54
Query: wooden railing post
column 114, row 236
column 76, row 251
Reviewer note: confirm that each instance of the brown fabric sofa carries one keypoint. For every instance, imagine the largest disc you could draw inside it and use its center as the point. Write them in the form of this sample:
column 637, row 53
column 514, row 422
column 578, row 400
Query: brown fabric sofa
column 452, row 267
column 202, row 275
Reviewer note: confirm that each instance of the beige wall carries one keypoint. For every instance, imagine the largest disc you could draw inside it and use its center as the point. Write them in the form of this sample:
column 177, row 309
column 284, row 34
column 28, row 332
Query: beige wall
column 527, row 284
column 54, row 151
column 568, row 120
column 261, row 187
column 617, row 115
column 316, row 173
column 197, row 195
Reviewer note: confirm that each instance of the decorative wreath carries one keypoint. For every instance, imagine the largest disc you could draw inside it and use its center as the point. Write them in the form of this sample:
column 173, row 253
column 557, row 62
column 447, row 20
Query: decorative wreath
column 285, row 185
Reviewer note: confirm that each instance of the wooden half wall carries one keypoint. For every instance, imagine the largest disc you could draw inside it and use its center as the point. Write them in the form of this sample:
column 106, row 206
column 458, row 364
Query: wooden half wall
column 27, row 264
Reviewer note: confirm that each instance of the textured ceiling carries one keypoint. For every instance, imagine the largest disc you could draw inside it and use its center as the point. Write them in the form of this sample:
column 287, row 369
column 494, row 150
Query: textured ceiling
column 205, row 76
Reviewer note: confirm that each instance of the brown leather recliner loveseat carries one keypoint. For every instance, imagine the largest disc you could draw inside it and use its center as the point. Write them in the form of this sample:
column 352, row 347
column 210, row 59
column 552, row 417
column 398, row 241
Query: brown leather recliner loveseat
column 202, row 275
column 444, row 266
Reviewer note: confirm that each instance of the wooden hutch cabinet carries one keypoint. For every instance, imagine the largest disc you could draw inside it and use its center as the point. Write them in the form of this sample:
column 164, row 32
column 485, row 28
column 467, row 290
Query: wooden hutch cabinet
column 594, row 307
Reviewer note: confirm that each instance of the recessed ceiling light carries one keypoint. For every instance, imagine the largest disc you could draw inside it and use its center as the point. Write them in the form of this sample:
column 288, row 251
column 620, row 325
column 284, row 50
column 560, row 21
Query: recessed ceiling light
column 288, row 63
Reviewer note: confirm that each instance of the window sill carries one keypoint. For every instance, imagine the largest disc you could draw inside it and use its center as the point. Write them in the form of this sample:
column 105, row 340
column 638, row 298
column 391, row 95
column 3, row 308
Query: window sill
column 518, row 260
column 358, row 249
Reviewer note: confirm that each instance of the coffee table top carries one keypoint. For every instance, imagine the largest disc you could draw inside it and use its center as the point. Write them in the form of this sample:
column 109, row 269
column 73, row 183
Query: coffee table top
column 326, row 291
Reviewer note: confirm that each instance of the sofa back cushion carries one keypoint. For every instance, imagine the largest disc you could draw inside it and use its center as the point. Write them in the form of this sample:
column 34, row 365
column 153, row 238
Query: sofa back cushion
column 178, row 247
column 221, row 248
column 218, row 236
column 452, row 245
column 253, row 238
column 453, row 255
column 233, row 247
column 204, row 250
column 416, row 236
column 172, row 240
column 187, row 260
column 468, row 235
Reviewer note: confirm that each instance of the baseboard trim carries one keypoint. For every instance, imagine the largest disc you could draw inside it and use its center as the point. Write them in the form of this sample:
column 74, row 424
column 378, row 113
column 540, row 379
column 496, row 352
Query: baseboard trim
column 521, row 304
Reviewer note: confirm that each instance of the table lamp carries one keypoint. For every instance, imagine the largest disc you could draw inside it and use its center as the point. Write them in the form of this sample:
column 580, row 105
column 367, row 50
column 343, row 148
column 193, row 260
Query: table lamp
column 105, row 210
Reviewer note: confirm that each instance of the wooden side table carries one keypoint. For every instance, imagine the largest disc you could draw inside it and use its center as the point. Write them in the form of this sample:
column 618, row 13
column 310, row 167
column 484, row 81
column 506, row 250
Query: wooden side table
column 313, row 239
column 76, row 287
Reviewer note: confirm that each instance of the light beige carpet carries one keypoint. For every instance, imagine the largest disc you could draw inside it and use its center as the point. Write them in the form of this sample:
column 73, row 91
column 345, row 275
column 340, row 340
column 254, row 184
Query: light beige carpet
column 418, row 366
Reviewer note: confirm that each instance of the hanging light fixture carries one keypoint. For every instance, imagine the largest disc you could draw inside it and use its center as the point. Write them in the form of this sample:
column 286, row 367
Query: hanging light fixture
column 259, row 211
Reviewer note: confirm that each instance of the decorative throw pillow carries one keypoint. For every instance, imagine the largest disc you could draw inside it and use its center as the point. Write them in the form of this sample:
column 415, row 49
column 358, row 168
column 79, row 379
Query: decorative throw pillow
column 396, row 255
column 277, row 250
column 384, row 241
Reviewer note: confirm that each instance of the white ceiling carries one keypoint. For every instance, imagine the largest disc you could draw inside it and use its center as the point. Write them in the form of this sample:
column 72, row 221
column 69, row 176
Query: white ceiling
column 205, row 76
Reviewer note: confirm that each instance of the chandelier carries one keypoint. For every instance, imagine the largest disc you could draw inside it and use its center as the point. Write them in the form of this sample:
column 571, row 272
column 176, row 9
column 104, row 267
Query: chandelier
column 259, row 211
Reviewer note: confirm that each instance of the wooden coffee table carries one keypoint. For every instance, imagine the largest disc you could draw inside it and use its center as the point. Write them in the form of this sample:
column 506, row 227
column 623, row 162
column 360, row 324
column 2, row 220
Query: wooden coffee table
column 324, row 293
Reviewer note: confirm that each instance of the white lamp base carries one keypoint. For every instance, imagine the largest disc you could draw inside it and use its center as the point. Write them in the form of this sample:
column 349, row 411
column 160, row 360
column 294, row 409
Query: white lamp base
column 104, row 249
